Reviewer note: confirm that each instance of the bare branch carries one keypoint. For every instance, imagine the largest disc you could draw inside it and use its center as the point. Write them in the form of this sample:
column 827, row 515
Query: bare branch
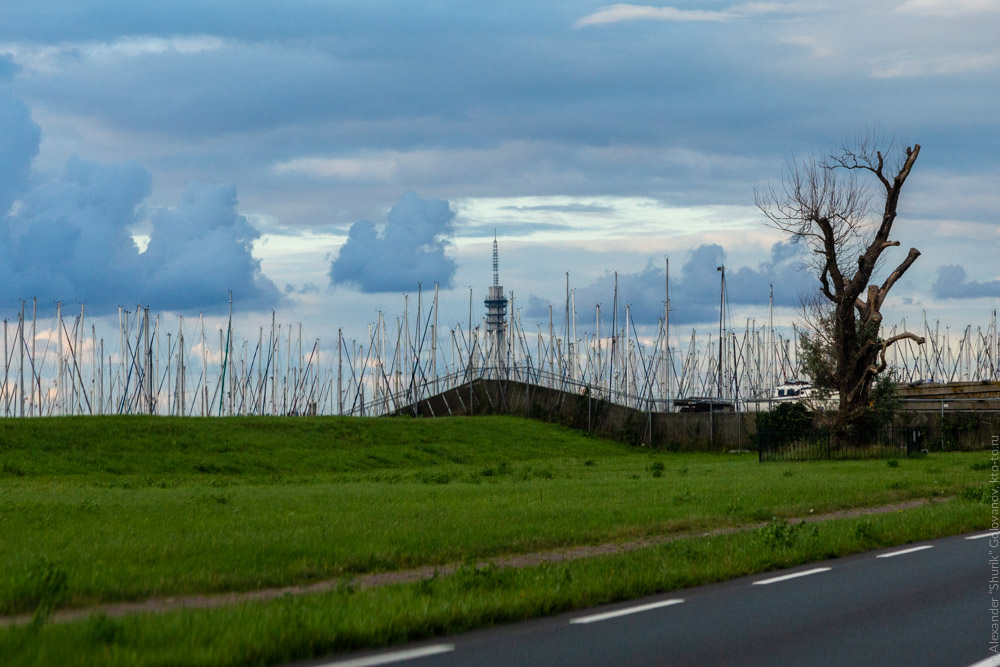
column 825, row 284
column 883, row 291
column 919, row 340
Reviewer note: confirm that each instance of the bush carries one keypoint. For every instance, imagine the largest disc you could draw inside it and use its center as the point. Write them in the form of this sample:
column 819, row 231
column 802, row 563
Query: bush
column 785, row 424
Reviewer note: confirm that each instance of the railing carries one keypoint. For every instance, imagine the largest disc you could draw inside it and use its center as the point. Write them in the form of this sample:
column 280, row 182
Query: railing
column 403, row 400
column 885, row 441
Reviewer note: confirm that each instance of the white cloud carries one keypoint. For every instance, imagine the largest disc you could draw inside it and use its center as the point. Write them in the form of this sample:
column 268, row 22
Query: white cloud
column 134, row 46
column 48, row 58
column 949, row 7
column 626, row 12
column 901, row 66
column 619, row 13
column 818, row 45
column 378, row 167
column 632, row 221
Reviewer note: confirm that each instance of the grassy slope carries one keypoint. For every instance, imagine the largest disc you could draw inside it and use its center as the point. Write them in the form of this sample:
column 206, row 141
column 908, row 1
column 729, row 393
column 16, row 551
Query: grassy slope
column 111, row 509
column 294, row 628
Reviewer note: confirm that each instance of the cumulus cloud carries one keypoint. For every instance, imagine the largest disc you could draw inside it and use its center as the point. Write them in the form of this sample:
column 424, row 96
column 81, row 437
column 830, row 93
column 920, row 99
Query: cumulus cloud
column 19, row 141
column 409, row 249
column 69, row 238
column 694, row 290
column 953, row 283
column 201, row 249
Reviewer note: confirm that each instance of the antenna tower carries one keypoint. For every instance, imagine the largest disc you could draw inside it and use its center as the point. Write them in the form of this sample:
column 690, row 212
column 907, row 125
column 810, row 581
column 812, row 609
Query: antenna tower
column 496, row 307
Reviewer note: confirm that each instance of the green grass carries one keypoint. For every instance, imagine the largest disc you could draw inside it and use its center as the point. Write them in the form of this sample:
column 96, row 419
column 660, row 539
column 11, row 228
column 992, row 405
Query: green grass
column 128, row 508
column 113, row 509
column 308, row 626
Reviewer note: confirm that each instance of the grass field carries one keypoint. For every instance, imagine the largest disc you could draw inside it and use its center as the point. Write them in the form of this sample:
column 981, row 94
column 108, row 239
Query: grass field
column 116, row 509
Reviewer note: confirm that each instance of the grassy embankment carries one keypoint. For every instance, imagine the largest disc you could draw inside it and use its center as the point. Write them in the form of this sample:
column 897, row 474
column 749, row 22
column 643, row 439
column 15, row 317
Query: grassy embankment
column 102, row 510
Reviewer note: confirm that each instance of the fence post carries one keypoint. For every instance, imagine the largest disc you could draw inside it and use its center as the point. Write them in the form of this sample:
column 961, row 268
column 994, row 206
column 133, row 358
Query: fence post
column 711, row 422
column 941, row 425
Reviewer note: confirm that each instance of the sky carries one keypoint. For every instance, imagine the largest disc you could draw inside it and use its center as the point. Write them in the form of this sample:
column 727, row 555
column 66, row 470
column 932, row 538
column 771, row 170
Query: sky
column 322, row 159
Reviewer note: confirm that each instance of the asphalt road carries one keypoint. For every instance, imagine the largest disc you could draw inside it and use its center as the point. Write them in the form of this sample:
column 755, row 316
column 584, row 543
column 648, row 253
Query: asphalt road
column 922, row 604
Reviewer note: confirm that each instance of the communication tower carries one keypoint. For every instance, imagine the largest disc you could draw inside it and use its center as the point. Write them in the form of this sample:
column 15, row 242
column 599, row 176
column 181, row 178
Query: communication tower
column 496, row 308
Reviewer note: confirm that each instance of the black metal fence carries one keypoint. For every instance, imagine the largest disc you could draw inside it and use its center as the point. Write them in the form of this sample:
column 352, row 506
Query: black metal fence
column 884, row 441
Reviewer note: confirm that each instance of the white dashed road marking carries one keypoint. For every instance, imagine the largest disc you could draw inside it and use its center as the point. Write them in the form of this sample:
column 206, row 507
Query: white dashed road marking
column 795, row 575
column 625, row 612
column 395, row 656
column 892, row 554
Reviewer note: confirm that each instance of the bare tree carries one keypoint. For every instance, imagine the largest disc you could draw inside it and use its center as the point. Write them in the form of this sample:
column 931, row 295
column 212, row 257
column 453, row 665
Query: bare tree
column 843, row 208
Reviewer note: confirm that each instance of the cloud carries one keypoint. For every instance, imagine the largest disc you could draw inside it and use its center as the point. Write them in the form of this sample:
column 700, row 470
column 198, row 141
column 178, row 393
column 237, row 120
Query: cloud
column 694, row 293
column 69, row 239
column 50, row 58
column 953, row 283
column 948, row 7
column 8, row 68
column 410, row 248
column 360, row 100
column 627, row 12
column 537, row 307
column 307, row 288
column 945, row 65
column 19, row 141
column 576, row 207
column 201, row 250
column 359, row 105
column 376, row 167
column 518, row 229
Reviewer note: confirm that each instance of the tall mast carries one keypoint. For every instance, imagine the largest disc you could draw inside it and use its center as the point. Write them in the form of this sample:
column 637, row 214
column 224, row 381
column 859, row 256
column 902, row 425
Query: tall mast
column 496, row 312
column 666, row 332
column 722, row 309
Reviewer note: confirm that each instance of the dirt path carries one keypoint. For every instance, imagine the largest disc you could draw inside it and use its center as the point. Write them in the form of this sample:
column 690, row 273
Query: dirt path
column 163, row 604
